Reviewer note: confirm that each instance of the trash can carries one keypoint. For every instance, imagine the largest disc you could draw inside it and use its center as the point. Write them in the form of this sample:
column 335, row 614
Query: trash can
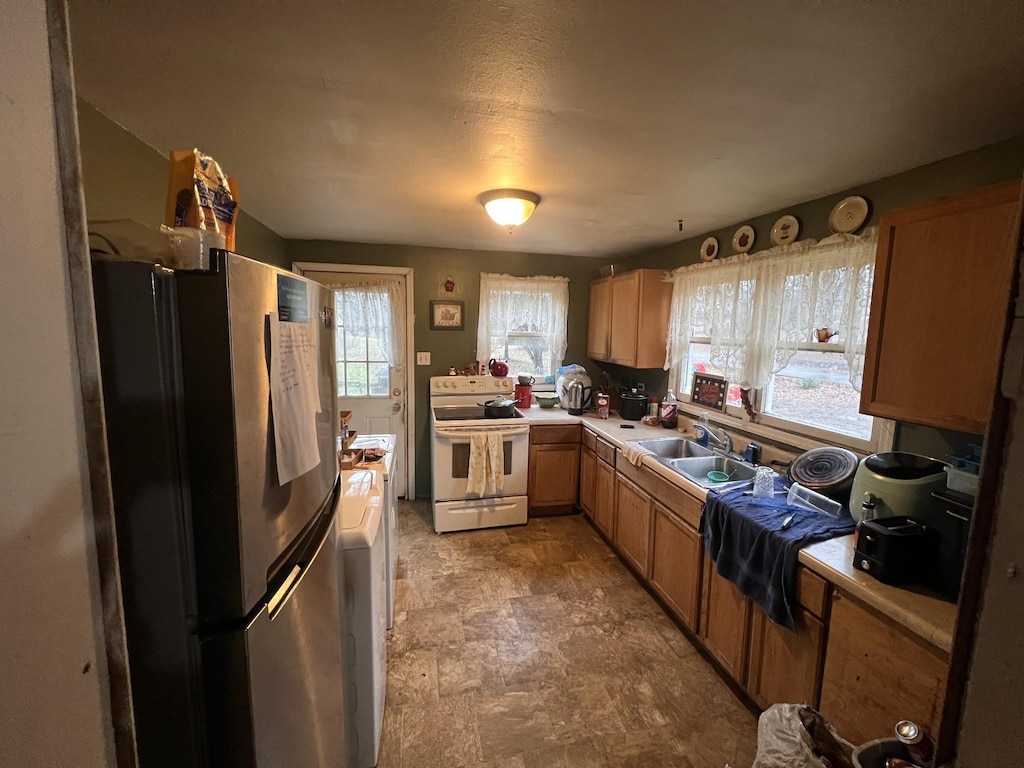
column 797, row 736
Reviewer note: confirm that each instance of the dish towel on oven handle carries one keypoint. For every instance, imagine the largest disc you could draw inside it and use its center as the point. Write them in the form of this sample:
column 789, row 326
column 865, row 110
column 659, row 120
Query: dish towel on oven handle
column 486, row 464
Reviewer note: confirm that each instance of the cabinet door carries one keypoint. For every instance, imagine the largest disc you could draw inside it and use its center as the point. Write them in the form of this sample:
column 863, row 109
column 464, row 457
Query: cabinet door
column 725, row 622
column 654, row 306
column 554, row 475
column 600, row 319
column 633, row 524
column 785, row 667
column 625, row 312
column 604, row 498
column 942, row 282
column 676, row 565
column 588, row 472
column 877, row 673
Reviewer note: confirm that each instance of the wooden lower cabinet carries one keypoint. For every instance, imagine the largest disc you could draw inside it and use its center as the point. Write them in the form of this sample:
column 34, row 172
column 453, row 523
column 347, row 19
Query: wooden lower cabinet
column 604, row 498
column 676, row 558
column 877, row 673
column 784, row 666
column 554, row 475
column 588, row 472
column 725, row 622
column 633, row 514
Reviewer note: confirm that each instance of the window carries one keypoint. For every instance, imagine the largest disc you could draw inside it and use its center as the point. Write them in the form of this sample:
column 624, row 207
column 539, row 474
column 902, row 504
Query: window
column 368, row 339
column 753, row 320
column 523, row 321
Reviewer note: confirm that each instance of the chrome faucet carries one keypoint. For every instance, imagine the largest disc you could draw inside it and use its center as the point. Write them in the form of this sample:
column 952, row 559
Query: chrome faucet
column 721, row 437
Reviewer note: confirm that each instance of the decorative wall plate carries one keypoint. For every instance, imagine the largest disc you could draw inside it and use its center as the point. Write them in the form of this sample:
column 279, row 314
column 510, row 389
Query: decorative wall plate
column 709, row 249
column 849, row 214
column 785, row 230
column 743, row 240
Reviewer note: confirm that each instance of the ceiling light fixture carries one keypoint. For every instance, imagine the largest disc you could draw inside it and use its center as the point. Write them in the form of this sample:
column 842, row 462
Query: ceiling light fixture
column 509, row 207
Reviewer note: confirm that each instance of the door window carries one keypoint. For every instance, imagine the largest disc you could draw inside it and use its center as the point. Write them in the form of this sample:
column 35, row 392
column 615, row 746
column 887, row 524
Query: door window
column 362, row 368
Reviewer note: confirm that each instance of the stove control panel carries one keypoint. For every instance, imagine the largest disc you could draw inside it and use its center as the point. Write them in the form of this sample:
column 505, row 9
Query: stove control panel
column 470, row 385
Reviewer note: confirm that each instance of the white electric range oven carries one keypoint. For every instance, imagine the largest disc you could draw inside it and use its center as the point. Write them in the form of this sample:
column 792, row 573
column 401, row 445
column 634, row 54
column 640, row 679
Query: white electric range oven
column 457, row 414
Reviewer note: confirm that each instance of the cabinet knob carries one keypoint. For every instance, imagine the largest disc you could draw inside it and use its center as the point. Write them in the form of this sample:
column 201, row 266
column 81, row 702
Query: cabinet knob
column 865, row 565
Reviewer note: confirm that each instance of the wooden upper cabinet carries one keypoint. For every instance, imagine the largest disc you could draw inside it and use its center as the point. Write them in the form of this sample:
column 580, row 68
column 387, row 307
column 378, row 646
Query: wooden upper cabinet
column 600, row 319
column 629, row 318
column 938, row 309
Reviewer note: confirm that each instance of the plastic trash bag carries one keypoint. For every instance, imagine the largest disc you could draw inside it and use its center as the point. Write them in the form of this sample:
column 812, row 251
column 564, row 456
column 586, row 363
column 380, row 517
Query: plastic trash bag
column 797, row 736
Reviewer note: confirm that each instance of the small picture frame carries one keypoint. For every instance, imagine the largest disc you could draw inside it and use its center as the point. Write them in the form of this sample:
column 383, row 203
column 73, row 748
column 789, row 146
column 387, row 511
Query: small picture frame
column 447, row 315
column 709, row 390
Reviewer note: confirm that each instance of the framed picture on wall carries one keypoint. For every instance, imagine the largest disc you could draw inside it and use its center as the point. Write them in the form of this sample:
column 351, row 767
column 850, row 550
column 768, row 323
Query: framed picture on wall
column 709, row 390
column 447, row 315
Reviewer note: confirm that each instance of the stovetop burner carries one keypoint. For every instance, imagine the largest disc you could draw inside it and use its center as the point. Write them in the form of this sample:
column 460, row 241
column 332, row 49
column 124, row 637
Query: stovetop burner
column 465, row 413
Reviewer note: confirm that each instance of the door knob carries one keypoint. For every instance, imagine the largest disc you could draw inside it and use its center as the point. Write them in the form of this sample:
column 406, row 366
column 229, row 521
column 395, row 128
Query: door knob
column 396, row 407
column 396, row 392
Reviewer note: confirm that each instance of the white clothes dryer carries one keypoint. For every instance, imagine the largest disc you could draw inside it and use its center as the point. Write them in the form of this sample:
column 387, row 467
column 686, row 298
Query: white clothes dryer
column 362, row 539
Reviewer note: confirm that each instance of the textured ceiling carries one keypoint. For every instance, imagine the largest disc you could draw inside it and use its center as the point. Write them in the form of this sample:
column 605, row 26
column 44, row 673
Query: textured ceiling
column 383, row 121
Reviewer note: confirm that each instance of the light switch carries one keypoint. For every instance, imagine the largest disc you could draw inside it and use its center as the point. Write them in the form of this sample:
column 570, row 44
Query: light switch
column 422, row 358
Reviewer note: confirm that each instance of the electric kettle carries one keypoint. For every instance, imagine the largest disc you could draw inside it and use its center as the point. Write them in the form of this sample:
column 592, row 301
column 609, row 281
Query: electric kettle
column 577, row 395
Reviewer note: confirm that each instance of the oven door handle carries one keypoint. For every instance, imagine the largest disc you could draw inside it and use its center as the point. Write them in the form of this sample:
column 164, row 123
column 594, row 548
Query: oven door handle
column 468, row 431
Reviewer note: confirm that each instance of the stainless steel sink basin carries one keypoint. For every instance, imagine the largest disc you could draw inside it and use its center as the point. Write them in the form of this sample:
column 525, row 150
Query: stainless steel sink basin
column 696, row 468
column 673, row 447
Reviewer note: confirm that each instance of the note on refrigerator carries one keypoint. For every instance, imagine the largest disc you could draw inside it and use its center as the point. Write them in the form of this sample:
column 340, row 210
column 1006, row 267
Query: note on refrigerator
column 294, row 395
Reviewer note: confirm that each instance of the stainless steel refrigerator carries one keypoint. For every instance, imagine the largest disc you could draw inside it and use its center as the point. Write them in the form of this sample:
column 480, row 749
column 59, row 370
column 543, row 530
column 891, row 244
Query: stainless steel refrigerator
column 229, row 577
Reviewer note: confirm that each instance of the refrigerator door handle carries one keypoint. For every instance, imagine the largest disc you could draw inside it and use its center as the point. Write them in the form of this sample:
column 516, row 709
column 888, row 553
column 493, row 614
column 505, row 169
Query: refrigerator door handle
column 279, row 598
column 291, row 582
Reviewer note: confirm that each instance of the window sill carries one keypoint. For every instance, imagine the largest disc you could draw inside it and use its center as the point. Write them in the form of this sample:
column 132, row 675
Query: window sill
column 789, row 439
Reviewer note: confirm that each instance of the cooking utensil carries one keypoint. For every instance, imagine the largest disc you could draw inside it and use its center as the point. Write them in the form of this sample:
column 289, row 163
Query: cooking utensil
column 827, row 470
column 774, row 493
column 716, row 476
column 497, row 368
column 788, row 522
column 526, row 379
column 546, row 401
column 499, row 408
column 524, row 394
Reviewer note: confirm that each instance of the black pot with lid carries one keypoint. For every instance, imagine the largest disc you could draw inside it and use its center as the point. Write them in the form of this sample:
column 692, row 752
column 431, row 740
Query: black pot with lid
column 634, row 404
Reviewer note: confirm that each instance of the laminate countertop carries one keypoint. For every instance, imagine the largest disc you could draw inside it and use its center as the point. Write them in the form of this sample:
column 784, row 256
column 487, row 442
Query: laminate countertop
column 930, row 618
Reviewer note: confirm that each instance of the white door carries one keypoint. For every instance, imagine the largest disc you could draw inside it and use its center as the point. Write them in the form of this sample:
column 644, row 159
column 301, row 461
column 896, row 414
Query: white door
column 366, row 385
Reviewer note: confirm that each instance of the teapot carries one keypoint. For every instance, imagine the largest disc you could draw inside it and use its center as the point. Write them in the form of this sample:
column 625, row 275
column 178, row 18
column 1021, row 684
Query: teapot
column 497, row 368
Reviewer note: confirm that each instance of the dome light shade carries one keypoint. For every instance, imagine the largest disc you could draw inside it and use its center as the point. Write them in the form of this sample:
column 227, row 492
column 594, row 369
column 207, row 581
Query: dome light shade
column 509, row 207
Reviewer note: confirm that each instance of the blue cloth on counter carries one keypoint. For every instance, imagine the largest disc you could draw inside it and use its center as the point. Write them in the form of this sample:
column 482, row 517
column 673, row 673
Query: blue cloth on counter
column 743, row 537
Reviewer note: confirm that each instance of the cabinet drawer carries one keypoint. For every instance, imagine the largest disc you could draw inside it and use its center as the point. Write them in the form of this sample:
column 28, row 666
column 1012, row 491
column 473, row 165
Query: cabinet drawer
column 589, row 440
column 555, row 433
column 812, row 591
column 605, row 451
column 684, row 506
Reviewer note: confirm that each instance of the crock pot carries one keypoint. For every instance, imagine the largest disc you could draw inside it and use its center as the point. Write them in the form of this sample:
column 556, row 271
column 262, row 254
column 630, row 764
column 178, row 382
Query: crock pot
column 634, row 404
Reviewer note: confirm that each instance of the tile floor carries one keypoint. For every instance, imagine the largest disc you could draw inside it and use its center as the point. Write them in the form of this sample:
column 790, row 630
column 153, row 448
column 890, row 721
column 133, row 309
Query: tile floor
column 534, row 646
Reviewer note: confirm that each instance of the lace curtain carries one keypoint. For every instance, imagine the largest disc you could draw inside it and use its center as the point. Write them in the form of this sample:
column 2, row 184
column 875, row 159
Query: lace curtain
column 757, row 309
column 375, row 308
column 522, row 304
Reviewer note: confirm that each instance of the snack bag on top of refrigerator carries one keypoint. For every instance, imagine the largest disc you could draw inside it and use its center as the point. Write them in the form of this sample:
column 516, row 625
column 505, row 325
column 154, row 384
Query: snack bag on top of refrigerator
column 201, row 196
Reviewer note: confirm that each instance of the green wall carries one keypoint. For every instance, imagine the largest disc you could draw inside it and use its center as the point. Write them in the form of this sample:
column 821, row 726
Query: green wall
column 988, row 165
column 125, row 178
column 431, row 268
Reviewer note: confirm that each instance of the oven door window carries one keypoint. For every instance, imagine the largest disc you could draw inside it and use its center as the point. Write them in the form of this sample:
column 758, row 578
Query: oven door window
column 460, row 459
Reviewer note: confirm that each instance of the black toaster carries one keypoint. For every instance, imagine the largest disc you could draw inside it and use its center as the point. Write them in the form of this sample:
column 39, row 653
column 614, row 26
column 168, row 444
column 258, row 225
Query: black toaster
column 896, row 550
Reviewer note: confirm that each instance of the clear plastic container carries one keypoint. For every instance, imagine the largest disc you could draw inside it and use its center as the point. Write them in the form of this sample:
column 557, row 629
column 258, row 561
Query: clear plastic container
column 961, row 481
column 808, row 499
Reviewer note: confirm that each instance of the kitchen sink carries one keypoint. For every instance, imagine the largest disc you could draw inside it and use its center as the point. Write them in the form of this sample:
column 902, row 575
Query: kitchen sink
column 673, row 447
column 696, row 468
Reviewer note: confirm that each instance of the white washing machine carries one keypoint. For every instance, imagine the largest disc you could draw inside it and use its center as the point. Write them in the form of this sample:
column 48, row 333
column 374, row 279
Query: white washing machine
column 362, row 539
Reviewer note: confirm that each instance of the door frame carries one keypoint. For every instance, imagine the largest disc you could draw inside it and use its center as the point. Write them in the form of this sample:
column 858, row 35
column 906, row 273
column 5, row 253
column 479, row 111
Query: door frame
column 301, row 267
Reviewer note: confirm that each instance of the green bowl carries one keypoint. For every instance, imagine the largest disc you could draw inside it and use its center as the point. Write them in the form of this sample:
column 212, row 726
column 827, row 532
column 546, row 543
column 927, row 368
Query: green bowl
column 547, row 401
column 717, row 477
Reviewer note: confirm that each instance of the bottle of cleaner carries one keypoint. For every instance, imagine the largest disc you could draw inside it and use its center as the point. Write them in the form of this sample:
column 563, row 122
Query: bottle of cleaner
column 669, row 411
column 702, row 429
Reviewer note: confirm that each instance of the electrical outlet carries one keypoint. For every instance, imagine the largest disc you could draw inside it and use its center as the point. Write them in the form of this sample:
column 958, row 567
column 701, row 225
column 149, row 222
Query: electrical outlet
column 422, row 358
